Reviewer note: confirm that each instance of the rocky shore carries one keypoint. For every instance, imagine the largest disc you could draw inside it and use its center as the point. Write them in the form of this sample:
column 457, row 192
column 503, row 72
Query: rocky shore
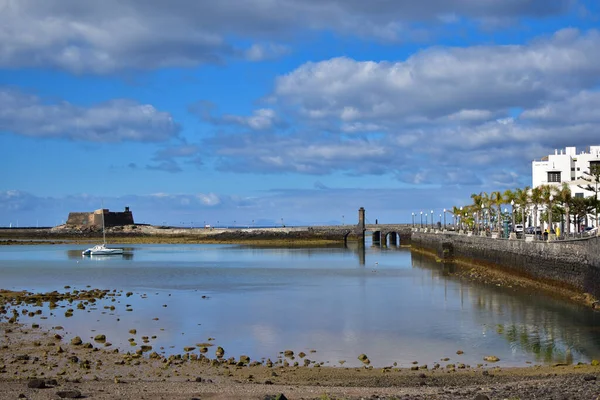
column 38, row 363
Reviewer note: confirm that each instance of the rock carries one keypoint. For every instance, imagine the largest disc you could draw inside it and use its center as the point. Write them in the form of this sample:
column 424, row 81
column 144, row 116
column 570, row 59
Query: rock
column 69, row 394
column 244, row 359
column 189, row 348
column 100, row 338
column 491, row 359
column 288, row 353
column 51, row 382
column 363, row 357
column 590, row 377
column 301, row 354
column 481, row 397
column 76, row 341
column 459, row 352
column 36, row 384
column 279, row 396
column 220, row 352
column 595, row 363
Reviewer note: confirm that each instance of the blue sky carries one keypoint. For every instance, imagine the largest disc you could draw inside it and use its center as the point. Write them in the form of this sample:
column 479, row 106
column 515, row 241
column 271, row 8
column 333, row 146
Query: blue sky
column 229, row 112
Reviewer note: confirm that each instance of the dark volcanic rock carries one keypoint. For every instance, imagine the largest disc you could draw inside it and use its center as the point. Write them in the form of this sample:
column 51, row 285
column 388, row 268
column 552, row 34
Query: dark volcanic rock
column 36, row 384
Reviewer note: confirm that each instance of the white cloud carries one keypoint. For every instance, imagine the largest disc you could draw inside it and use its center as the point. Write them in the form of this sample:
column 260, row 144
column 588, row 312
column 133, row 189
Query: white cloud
column 113, row 121
column 456, row 83
column 110, row 35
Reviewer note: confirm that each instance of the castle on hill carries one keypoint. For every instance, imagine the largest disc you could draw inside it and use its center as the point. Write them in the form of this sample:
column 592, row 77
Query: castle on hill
column 94, row 219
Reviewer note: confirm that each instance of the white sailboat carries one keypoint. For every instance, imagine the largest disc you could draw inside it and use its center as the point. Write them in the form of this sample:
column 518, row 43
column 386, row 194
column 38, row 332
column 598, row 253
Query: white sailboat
column 101, row 249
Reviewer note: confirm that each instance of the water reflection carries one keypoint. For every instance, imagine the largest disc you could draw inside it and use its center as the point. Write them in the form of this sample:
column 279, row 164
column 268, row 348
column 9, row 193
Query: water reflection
column 550, row 329
column 394, row 305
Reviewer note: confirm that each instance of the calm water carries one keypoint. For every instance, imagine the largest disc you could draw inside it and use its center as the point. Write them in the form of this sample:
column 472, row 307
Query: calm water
column 387, row 303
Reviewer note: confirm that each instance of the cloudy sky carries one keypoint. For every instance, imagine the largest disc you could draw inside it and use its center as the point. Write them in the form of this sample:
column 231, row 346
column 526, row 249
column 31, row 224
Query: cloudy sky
column 232, row 111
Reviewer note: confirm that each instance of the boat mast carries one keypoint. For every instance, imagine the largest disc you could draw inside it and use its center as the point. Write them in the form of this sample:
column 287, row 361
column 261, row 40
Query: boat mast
column 103, row 233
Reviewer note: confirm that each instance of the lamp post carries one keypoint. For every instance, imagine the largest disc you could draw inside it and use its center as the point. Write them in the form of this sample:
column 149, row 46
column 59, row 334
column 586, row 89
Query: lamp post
column 421, row 226
column 482, row 219
column 441, row 221
column 426, row 219
column 444, row 219
column 431, row 219
column 461, row 218
column 513, row 220
column 512, row 204
column 413, row 220
column 342, row 220
column 551, row 198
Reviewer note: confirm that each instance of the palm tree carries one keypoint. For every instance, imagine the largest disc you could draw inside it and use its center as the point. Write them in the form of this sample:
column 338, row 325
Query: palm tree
column 497, row 199
column 564, row 196
column 456, row 213
column 522, row 199
column 535, row 198
column 547, row 198
column 477, row 202
column 510, row 197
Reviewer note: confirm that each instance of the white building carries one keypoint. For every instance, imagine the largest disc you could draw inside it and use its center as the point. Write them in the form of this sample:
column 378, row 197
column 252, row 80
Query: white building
column 566, row 166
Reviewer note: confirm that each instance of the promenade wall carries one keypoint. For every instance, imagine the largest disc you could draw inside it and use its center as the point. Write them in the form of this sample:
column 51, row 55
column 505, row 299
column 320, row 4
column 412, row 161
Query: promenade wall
column 573, row 264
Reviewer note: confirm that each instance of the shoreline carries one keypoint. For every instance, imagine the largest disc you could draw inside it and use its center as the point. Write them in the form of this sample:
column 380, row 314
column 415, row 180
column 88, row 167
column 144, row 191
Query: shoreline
column 29, row 353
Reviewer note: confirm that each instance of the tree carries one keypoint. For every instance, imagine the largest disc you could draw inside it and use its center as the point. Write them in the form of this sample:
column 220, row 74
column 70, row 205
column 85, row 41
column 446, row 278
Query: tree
column 580, row 207
column 510, row 197
column 497, row 200
column 592, row 178
column 535, row 198
column 522, row 200
column 547, row 198
column 564, row 197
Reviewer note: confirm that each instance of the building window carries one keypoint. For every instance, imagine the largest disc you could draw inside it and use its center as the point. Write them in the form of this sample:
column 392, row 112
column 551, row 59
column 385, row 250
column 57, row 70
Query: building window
column 578, row 196
column 594, row 164
column 553, row 176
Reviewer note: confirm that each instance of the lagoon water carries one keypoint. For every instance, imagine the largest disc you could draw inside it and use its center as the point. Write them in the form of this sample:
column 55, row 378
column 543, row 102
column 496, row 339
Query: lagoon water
column 386, row 302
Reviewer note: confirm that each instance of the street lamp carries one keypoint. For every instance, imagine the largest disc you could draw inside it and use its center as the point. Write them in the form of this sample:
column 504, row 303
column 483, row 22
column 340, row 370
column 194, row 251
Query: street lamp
column 482, row 218
column 441, row 220
column 444, row 219
column 342, row 220
column 413, row 220
column 461, row 218
column 551, row 198
column 426, row 219
column 512, row 204
column 421, row 226
column 431, row 219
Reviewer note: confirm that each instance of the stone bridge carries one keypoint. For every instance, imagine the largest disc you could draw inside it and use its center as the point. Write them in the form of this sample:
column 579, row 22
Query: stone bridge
column 395, row 234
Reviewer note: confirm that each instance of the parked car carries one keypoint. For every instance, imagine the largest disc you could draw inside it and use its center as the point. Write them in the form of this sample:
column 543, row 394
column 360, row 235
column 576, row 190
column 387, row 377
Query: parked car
column 591, row 231
column 531, row 230
column 519, row 228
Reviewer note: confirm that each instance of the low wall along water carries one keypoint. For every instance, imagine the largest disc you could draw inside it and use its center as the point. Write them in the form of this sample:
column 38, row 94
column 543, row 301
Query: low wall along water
column 573, row 264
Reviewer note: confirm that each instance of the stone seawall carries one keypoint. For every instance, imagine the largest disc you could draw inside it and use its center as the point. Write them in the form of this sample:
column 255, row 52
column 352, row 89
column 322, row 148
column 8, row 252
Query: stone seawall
column 573, row 264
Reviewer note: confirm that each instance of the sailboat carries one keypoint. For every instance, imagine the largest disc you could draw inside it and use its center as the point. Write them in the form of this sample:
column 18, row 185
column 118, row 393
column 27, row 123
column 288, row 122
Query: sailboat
column 101, row 249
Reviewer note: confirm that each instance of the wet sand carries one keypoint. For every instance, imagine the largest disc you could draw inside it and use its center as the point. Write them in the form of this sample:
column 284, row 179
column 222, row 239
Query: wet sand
column 99, row 372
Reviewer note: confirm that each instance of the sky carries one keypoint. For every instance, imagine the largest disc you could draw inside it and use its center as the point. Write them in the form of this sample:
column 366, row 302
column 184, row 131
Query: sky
column 294, row 112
